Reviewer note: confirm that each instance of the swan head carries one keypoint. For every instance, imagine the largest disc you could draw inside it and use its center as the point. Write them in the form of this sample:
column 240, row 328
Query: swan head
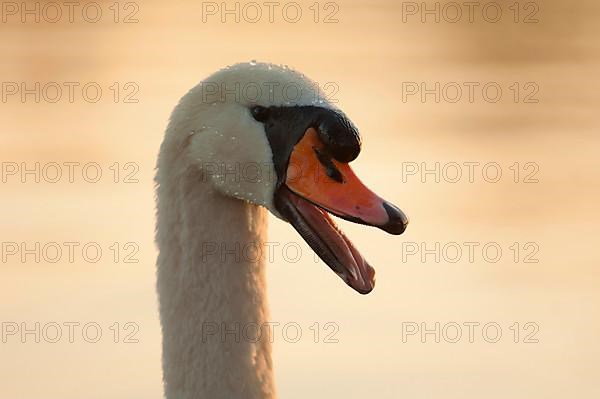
column 266, row 134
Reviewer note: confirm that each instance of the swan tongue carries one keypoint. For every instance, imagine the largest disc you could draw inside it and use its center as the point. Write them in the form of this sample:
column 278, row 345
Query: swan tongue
column 321, row 233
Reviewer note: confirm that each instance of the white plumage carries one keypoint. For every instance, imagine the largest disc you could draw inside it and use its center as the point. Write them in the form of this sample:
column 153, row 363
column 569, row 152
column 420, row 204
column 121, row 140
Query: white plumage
column 196, row 209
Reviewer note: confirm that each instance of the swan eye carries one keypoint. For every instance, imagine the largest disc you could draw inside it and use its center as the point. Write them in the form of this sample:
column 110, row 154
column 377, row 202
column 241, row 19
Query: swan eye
column 260, row 113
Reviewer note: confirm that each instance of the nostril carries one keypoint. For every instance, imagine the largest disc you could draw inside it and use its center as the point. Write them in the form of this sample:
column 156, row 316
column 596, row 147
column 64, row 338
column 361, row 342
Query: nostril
column 330, row 169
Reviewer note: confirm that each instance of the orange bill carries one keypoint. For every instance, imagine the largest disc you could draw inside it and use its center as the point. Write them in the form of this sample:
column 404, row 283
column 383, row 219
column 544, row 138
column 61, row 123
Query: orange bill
column 317, row 177
column 317, row 184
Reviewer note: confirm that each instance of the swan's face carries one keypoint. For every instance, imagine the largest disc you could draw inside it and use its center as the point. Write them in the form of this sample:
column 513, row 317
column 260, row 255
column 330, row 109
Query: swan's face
column 266, row 134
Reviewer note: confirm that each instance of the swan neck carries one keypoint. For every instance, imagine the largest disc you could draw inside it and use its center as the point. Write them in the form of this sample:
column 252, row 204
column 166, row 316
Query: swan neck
column 211, row 286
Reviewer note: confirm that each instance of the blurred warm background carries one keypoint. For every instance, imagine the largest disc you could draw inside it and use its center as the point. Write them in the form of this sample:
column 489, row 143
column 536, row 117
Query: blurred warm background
column 369, row 54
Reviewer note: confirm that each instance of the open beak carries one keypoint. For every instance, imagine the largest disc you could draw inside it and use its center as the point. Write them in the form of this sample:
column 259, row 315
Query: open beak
column 317, row 184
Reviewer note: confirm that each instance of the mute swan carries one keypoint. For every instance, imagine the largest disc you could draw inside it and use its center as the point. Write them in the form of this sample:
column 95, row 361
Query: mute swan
column 261, row 115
